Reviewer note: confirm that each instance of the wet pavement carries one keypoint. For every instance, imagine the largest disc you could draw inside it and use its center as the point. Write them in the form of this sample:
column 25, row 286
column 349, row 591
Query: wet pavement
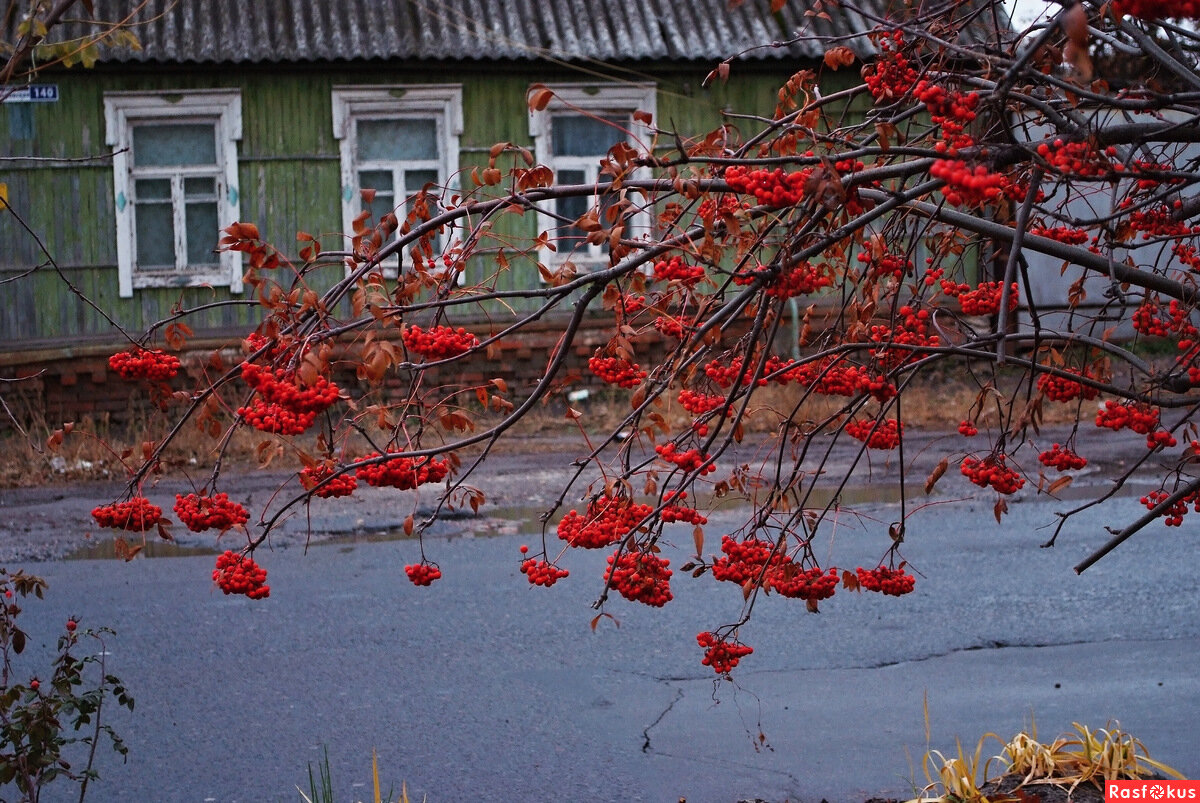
column 483, row 688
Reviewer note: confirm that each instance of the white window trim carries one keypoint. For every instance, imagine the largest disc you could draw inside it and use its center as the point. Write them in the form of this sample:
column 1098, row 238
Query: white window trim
column 384, row 101
column 223, row 107
column 598, row 99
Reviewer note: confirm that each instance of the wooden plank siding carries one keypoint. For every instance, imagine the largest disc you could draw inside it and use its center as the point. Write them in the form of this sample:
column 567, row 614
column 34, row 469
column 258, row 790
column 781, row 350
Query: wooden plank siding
column 288, row 170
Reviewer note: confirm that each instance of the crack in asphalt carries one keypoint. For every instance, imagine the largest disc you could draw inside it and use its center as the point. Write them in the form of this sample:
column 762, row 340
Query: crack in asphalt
column 659, row 718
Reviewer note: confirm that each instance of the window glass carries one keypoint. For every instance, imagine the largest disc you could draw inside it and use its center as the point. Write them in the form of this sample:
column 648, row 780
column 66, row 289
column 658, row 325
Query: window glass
column 176, row 144
column 397, row 140
column 573, row 208
column 414, row 180
column 155, row 236
column 151, row 189
column 385, row 194
column 202, row 233
column 576, row 135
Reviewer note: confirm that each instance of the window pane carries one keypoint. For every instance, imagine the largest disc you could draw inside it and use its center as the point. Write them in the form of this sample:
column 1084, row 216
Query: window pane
column 414, row 180
column 385, row 195
column 575, row 135
column 153, row 189
column 155, row 236
column 195, row 187
column 167, row 145
column 202, row 230
column 396, row 140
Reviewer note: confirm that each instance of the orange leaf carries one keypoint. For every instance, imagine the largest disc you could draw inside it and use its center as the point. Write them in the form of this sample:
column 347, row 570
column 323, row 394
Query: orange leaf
column 698, row 539
column 936, row 474
column 1059, row 484
column 1000, row 509
column 408, row 525
column 540, row 97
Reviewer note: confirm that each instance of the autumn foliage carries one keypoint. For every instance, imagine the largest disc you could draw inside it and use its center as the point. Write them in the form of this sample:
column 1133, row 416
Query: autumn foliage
column 840, row 249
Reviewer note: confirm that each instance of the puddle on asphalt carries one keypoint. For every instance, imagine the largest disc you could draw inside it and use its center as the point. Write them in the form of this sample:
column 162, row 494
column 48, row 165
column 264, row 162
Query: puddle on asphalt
column 107, row 549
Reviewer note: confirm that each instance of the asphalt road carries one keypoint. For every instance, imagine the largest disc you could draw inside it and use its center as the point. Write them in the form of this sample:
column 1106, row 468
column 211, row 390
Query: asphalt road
column 483, row 688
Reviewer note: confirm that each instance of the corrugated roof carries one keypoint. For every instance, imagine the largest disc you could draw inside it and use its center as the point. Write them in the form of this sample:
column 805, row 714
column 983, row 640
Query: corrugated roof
column 256, row 31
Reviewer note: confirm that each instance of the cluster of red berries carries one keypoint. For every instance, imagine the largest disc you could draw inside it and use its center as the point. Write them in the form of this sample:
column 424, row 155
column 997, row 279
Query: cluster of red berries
column 405, row 473
column 910, row 334
column 214, row 512
column 886, row 435
column 774, row 188
column 1188, row 254
column 681, row 513
column 1153, row 321
column 967, row 186
column 607, row 520
column 689, row 459
column 239, row 574
column 953, row 111
column 283, row 387
column 728, row 206
column 795, row 582
column 891, row 76
column 893, row 582
column 617, row 371
column 797, row 281
column 640, row 576
column 968, row 429
column 440, row 342
column 698, row 403
column 1158, row 9
column 982, row 300
column 676, row 270
column 422, row 574
column 720, row 654
column 1061, row 389
column 283, row 405
column 886, row 264
column 140, row 363
column 274, row 418
column 1062, row 234
column 992, row 471
column 725, row 375
column 670, row 326
column 632, row 304
column 744, row 560
column 135, row 515
column 1160, row 221
column 1079, row 158
column 541, row 572
column 1062, row 458
column 1160, row 439
column 850, row 381
column 340, row 485
column 1172, row 516
column 1137, row 416
column 1147, row 183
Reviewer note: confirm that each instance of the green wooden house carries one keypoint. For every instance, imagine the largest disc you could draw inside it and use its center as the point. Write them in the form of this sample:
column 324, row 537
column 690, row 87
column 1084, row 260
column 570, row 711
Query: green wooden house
column 278, row 111
column 119, row 177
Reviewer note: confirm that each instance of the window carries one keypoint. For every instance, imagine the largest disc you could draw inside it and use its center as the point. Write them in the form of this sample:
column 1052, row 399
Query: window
column 571, row 136
column 395, row 140
column 175, row 186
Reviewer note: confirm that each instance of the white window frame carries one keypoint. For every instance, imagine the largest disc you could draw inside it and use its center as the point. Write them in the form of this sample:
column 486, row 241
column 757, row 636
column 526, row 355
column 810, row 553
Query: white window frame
column 441, row 102
column 122, row 112
column 597, row 99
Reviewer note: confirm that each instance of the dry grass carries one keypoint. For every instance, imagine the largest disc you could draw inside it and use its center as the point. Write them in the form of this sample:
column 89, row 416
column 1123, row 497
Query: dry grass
column 96, row 449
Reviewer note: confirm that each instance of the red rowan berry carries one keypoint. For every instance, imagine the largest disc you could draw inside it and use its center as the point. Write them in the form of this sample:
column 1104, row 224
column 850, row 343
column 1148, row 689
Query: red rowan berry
column 135, row 515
